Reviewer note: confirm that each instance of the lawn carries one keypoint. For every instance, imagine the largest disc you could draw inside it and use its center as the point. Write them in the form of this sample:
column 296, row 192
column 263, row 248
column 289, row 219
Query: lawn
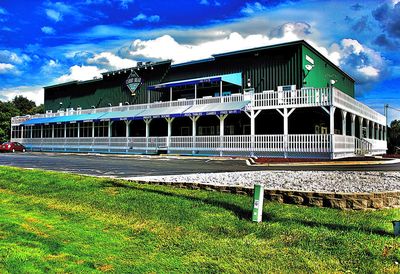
column 57, row 222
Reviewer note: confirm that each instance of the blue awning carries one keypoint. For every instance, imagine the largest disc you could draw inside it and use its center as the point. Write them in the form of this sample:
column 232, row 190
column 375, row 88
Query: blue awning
column 233, row 78
column 121, row 115
column 216, row 108
column 163, row 112
column 64, row 119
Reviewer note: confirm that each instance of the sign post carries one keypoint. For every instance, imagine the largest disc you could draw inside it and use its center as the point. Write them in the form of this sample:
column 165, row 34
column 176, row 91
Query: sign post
column 258, row 201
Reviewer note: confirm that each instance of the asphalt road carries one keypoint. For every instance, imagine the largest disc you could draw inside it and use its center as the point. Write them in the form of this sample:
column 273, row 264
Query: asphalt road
column 116, row 166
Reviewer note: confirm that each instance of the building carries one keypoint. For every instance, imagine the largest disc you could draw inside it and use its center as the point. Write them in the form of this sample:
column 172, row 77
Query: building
column 284, row 100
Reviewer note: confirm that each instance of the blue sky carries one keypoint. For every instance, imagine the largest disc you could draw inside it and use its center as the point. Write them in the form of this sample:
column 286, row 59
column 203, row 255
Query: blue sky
column 48, row 42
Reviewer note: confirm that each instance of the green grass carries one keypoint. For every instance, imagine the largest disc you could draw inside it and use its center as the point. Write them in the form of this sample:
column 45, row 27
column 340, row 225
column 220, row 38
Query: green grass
column 53, row 222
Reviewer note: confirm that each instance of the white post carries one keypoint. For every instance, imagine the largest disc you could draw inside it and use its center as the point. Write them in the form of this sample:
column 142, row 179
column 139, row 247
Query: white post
column 361, row 119
column 332, row 120
column 377, row 131
column 195, row 93
column 368, row 129
column 41, row 131
column 127, row 133
column 353, row 124
column 52, row 131
column 381, row 135
column 31, row 131
column 93, row 130
column 148, row 98
column 22, row 132
column 79, row 129
column 194, row 120
column 220, row 90
column 170, row 95
column 109, row 128
column 221, row 131
column 169, row 121
column 344, row 125
column 147, row 121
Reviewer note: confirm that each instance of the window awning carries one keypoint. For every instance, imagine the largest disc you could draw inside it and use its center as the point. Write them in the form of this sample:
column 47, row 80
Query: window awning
column 163, row 112
column 216, row 108
column 233, row 78
column 121, row 115
column 64, row 119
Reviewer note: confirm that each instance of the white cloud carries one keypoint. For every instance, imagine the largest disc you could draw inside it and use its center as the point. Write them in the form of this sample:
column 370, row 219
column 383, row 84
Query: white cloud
column 3, row 11
column 204, row 2
column 6, row 68
column 80, row 73
column 124, row 3
column 34, row 93
column 48, row 30
column 148, row 18
column 110, row 61
column 54, row 15
column 166, row 47
column 369, row 71
column 251, row 8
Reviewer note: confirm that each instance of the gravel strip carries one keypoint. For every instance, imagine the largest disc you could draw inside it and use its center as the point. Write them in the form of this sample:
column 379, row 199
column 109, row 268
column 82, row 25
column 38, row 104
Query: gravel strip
column 321, row 181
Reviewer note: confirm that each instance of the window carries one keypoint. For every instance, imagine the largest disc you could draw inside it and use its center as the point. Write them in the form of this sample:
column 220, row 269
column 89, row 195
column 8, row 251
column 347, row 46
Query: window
column 72, row 130
column 27, row 132
column 59, row 131
column 16, row 132
column 101, row 129
column 85, row 129
column 47, row 131
column 36, row 131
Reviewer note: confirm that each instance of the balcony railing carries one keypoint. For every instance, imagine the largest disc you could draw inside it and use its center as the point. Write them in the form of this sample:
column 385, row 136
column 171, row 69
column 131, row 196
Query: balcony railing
column 305, row 97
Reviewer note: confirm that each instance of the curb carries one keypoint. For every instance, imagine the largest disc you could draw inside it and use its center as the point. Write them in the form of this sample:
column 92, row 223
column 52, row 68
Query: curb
column 330, row 163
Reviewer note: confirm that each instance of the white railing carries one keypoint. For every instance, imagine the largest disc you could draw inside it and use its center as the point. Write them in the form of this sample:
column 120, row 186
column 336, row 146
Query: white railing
column 343, row 143
column 377, row 145
column 294, row 98
column 184, row 102
column 347, row 103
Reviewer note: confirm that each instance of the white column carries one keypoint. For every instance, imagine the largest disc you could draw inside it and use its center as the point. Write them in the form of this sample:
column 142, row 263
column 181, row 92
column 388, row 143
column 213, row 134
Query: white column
column 31, row 131
column 148, row 97
column 377, row 131
column 169, row 121
column 109, row 128
column 221, row 131
column 52, row 131
column 92, row 129
column 252, row 115
column 381, row 135
column 195, row 93
column 344, row 126
column 127, row 123
column 220, row 90
column 361, row 119
column 79, row 129
column 147, row 121
column 170, row 95
column 353, row 124
column 41, row 131
column 194, row 132
column 285, row 114
column 22, row 132
column 332, row 120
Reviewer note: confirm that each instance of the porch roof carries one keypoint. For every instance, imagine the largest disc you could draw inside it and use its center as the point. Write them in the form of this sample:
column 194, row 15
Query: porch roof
column 233, row 78
column 216, row 108
column 63, row 119
column 121, row 115
column 162, row 112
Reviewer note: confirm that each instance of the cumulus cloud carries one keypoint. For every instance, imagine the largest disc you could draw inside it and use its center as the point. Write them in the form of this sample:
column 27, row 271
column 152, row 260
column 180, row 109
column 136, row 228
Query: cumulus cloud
column 110, row 61
column 7, row 56
column 366, row 65
column 54, row 15
column 124, row 3
column 48, row 30
column 208, row 3
column 251, row 8
column 3, row 11
column 80, row 73
column 147, row 18
column 34, row 93
column 299, row 29
column 6, row 68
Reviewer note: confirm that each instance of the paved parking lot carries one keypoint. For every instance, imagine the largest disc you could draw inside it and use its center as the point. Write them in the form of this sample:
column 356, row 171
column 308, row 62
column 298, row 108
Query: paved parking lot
column 120, row 166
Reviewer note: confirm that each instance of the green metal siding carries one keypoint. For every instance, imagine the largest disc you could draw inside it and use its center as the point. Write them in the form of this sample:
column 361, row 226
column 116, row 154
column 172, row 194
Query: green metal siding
column 266, row 69
column 323, row 72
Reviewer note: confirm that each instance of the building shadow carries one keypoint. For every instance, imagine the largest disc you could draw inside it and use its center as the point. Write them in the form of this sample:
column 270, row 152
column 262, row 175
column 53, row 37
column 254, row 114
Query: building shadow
column 245, row 214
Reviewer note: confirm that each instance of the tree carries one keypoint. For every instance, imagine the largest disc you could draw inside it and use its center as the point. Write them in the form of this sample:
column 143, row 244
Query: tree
column 7, row 110
column 23, row 104
column 394, row 135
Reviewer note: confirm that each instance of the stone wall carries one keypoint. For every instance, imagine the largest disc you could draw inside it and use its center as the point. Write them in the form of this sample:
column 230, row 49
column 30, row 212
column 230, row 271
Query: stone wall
column 355, row 201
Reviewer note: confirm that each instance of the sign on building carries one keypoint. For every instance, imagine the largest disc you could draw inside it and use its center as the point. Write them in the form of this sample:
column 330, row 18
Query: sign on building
column 133, row 82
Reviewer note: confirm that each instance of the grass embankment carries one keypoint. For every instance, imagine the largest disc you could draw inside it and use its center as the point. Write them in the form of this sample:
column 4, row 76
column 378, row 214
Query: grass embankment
column 51, row 222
